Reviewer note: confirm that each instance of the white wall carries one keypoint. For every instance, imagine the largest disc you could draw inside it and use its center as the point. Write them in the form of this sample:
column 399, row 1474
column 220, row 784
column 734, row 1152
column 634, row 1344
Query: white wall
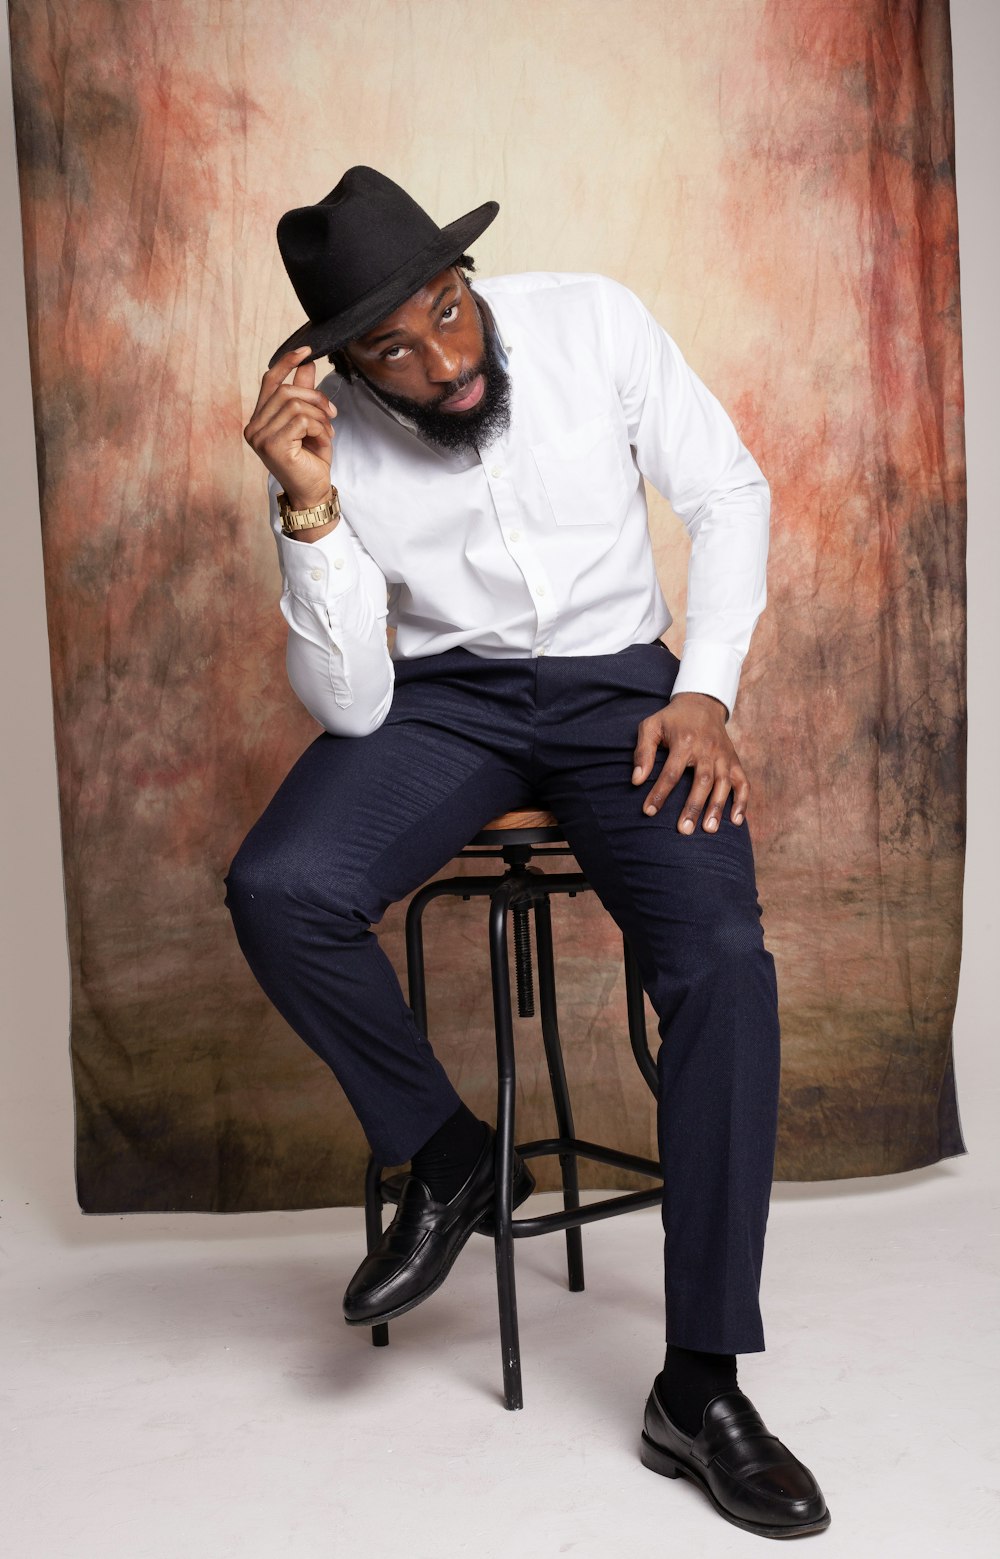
column 976, row 44
column 36, row 1124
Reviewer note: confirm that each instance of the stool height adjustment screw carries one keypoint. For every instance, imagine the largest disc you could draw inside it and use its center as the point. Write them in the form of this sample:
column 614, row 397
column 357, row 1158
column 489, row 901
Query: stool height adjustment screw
column 522, row 961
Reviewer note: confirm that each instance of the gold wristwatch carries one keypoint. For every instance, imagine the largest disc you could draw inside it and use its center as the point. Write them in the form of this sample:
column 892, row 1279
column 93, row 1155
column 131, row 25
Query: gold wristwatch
column 293, row 520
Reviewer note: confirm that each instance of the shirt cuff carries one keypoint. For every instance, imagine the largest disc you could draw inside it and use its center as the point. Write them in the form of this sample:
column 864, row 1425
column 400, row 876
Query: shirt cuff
column 709, row 668
column 320, row 571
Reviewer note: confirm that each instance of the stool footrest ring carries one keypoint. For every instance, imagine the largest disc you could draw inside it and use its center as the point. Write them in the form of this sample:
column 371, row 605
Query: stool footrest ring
column 390, row 1187
column 593, row 1212
column 543, row 1146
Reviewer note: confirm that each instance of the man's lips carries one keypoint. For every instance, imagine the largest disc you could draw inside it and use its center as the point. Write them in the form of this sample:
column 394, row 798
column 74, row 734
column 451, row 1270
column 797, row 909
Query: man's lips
column 467, row 398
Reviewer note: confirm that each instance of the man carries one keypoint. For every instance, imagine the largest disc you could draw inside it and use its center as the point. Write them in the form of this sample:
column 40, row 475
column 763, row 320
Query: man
column 486, row 499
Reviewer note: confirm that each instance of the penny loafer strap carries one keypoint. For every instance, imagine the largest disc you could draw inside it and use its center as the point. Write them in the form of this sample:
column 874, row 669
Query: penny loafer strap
column 734, row 1431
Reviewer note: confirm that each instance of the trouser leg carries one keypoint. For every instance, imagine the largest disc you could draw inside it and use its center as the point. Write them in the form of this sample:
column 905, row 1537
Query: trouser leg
column 689, row 907
column 359, row 823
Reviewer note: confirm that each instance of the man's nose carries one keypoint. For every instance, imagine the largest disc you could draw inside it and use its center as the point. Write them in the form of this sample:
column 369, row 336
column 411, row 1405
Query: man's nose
column 443, row 362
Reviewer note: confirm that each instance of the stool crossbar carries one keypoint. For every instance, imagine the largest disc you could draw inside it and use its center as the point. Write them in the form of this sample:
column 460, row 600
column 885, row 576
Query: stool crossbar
column 521, row 895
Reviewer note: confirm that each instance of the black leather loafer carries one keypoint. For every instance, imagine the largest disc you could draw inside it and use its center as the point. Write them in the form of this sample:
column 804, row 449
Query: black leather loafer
column 751, row 1478
column 418, row 1249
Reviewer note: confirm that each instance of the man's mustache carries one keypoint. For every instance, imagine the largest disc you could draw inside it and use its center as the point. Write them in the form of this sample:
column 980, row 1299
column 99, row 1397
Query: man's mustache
column 459, row 384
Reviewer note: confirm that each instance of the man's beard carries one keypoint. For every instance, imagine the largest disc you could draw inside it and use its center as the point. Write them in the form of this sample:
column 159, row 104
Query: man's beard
column 460, row 430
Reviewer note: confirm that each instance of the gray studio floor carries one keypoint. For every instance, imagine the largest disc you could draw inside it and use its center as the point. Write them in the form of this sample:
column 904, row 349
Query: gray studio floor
column 184, row 1385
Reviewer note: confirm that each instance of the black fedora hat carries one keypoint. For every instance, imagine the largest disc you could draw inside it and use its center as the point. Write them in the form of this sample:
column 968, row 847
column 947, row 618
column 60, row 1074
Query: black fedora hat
column 360, row 252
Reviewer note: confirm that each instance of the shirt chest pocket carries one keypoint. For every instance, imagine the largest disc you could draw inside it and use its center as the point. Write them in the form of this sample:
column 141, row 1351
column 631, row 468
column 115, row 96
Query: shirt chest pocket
column 583, row 475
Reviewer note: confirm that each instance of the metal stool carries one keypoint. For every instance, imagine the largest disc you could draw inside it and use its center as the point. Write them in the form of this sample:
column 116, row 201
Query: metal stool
column 522, row 891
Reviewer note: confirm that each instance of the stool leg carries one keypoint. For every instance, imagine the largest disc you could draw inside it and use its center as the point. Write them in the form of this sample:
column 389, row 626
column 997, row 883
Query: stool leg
column 560, row 1089
column 635, row 1002
column 503, row 1238
column 415, row 977
column 373, row 1231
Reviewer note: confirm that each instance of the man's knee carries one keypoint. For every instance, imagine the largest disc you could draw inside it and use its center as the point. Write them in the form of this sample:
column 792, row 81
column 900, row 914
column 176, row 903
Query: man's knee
column 721, row 956
column 277, row 882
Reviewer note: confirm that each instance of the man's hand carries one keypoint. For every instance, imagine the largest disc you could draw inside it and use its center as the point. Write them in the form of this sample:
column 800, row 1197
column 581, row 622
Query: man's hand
column 291, row 430
column 693, row 729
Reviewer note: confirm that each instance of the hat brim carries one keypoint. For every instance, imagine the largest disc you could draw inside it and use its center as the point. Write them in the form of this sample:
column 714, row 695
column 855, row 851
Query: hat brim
column 327, row 335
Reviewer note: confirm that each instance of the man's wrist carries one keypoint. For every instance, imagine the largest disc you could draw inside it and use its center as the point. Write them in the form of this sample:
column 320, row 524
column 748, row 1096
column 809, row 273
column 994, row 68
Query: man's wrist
column 305, row 520
column 316, row 533
column 298, row 502
column 708, row 698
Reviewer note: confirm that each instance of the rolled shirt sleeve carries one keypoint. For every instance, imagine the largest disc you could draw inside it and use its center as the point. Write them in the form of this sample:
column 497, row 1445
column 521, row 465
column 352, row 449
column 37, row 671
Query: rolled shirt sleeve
column 686, row 445
column 334, row 599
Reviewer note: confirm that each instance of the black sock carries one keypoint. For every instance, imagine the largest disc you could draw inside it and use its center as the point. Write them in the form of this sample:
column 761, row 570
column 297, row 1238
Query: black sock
column 688, row 1382
column 448, row 1158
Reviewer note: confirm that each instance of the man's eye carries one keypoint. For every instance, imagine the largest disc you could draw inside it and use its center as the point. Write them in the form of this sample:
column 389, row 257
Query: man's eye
column 451, row 310
column 387, row 355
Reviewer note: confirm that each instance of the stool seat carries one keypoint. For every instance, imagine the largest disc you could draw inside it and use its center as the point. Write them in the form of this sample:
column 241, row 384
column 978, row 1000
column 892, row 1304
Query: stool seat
column 524, row 826
column 526, row 819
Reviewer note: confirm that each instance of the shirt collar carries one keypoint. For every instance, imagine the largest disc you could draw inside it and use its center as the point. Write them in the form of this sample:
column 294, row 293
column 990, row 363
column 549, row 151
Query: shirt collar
column 493, row 326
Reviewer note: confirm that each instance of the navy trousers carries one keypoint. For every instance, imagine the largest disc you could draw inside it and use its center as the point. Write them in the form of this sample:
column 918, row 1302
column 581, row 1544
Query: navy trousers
column 360, row 822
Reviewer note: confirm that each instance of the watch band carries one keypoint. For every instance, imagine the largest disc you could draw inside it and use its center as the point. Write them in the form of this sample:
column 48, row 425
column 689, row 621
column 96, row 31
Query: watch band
column 293, row 520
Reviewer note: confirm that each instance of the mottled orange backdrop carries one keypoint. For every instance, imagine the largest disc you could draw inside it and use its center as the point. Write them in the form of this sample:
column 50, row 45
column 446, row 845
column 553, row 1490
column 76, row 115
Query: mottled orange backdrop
column 775, row 178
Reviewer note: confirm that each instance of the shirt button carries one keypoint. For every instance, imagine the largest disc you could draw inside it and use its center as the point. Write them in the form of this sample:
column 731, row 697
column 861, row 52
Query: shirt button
column 539, row 589
column 515, row 535
column 541, row 649
column 496, row 471
column 315, row 573
column 338, row 562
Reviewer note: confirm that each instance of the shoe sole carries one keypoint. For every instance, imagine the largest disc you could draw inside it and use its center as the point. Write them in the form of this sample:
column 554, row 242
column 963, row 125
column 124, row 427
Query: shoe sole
column 523, row 1192
column 657, row 1460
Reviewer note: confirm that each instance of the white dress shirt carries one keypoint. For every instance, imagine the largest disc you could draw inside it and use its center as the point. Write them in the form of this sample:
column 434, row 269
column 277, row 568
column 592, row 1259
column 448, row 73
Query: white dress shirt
column 537, row 543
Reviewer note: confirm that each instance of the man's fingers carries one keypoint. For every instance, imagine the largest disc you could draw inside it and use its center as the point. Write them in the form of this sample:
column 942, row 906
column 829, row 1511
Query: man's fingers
column 701, row 785
column 293, row 394
column 741, row 795
column 285, row 363
column 709, row 786
column 273, row 376
column 690, row 745
column 671, row 772
column 304, row 376
column 272, row 382
column 295, row 422
column 273, row 415
column 717, row 802
column 646, row 748
column 301, row 436
column 643, row 758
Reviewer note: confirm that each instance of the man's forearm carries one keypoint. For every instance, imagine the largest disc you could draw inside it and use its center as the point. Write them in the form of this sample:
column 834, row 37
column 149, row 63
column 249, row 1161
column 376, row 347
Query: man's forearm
column 344, row 679
column 727, row 591
column 334, row 602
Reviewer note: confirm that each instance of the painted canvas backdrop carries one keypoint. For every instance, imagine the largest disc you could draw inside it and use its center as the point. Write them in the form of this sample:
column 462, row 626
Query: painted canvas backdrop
column 776, row 181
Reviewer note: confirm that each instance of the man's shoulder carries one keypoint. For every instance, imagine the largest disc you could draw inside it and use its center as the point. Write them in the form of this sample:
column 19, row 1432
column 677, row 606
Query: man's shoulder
column 541, row 285
column 566, row 299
